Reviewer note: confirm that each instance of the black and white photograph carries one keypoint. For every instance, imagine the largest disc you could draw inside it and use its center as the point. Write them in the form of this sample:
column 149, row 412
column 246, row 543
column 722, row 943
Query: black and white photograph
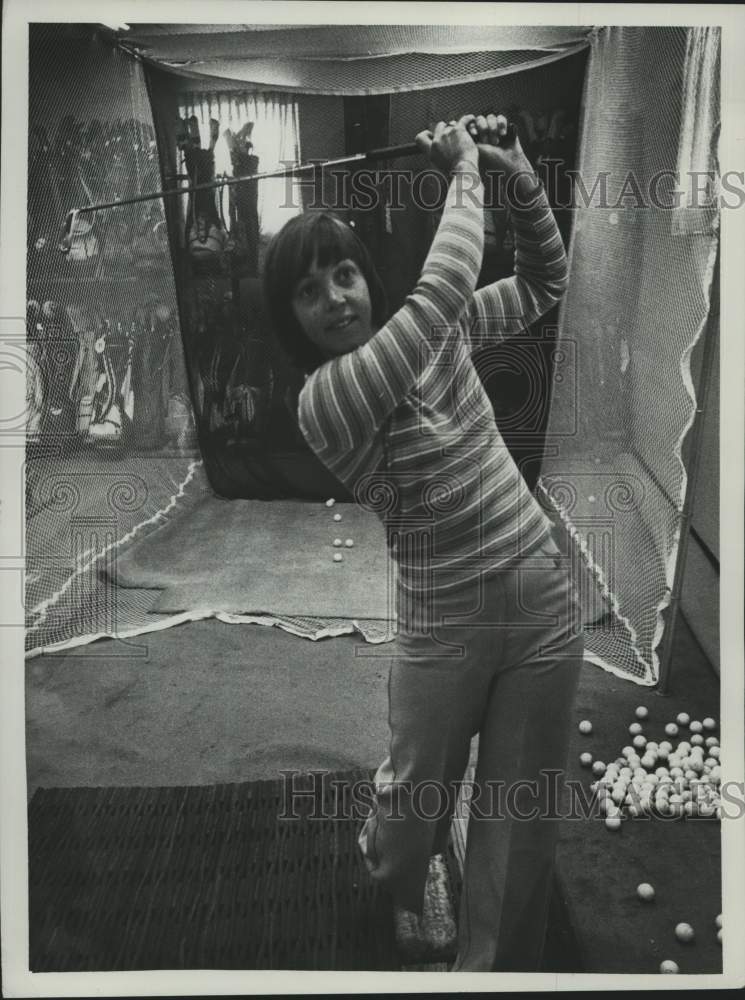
column 372, row 497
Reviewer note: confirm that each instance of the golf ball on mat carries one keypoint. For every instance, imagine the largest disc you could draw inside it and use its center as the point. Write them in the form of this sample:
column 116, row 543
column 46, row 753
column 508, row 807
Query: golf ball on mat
column 337, row 542
column 330, row 502
column 645, row 891
column 338, row 557
column 349, row 543
column 613, row 822
column 585, row 726
column 697, row 740
column 671, row 729
column 695, row 726
column 669, row 966
column 642, row 712
column 709, row 723
column 718, row 921
column 585, row 759
column 635, row 728
column 337, row 517
column 683, row 719
column 598, row 767
column 639, row 741
column 684, row 932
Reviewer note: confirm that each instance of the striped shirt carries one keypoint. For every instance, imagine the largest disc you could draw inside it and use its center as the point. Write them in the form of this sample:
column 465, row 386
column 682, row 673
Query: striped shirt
column 405, row 423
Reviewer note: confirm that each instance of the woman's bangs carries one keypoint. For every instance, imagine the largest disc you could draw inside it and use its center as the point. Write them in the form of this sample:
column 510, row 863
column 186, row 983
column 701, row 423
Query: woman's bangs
column 327, row 242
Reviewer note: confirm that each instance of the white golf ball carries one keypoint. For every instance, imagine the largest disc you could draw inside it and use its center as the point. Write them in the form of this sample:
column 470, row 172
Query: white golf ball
column 718, row 921
column 330, row 502
column 640, row 741
column 666, row 746
column 349, row 543
column 719, row 935
column 683, row 719
column 709, row 723
column 669, row 966
column 641, row 712
column 585, row 759
column 613, row 822
column 635, row 728
column 338, row 557
column 585, row 726
column 598, row 767
column 337, row 517
column 684, row 933
column 337, row 542
column 671, row 729
column 711, row 741
column 714, row 753
column 697, row 739
column 645, row 891
column 695, row 726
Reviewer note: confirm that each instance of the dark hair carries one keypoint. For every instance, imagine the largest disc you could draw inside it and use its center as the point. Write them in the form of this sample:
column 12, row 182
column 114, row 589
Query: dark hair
column 320, row 237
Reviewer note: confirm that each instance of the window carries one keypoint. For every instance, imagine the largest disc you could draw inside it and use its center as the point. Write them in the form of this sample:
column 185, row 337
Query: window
column 275, row 137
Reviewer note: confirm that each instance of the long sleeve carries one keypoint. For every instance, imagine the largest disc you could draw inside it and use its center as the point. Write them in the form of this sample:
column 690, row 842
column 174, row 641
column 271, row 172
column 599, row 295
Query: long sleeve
column 507, row 306
column 346, row 401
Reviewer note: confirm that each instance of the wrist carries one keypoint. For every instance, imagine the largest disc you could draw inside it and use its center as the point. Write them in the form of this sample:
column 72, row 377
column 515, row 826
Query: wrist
column 523, row 188
column 465, row 166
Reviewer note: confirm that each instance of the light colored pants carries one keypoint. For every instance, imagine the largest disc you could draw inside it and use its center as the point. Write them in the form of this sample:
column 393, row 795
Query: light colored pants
column 507, row 669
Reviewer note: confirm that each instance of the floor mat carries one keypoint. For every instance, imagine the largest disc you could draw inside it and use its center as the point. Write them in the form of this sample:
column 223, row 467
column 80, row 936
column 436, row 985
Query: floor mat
column 235, row 876
column 274, row 557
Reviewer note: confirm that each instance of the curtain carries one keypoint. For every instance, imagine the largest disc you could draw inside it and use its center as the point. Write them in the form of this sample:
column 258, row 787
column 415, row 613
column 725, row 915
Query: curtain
column 699, row 135
column 275, row 138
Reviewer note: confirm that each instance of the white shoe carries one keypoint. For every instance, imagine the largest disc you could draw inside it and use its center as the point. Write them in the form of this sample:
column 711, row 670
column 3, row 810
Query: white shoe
column 433, row 937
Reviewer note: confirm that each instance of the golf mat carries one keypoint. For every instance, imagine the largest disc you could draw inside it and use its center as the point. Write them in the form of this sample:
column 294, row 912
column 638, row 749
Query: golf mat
column 235, row 876
column 273, row 557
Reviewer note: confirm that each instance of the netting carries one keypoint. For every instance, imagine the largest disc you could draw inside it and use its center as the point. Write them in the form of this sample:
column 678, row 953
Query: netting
column 636, row 307
column 155, row 379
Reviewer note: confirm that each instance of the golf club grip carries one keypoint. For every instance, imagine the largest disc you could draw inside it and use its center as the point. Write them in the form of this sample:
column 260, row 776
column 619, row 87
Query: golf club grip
column 411, row 149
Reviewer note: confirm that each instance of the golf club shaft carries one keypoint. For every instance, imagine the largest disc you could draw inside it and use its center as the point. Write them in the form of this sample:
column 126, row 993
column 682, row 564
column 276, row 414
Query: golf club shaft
column 373, row 155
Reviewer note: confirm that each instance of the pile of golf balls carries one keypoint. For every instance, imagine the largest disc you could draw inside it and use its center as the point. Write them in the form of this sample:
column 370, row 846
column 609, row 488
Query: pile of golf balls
column 666, row 779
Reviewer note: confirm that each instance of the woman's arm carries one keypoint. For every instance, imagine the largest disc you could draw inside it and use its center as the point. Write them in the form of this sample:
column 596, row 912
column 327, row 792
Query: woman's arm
column 345, row 402
column 507, row 306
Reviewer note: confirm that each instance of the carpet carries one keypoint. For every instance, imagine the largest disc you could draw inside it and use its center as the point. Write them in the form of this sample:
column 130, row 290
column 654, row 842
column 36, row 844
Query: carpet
column 234, row 876
column 275, row 557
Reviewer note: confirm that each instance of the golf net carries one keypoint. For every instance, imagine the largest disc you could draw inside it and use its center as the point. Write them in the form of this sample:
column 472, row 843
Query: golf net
column 153, row 376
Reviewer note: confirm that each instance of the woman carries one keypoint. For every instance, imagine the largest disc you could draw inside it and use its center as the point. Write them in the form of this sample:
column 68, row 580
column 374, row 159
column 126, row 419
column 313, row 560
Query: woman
column 487, row 638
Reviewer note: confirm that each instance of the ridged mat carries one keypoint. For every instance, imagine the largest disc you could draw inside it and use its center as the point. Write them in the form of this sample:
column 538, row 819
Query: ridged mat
column 207, row 877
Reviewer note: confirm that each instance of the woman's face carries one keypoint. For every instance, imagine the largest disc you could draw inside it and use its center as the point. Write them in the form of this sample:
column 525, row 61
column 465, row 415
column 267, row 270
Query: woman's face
column 332, row 305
